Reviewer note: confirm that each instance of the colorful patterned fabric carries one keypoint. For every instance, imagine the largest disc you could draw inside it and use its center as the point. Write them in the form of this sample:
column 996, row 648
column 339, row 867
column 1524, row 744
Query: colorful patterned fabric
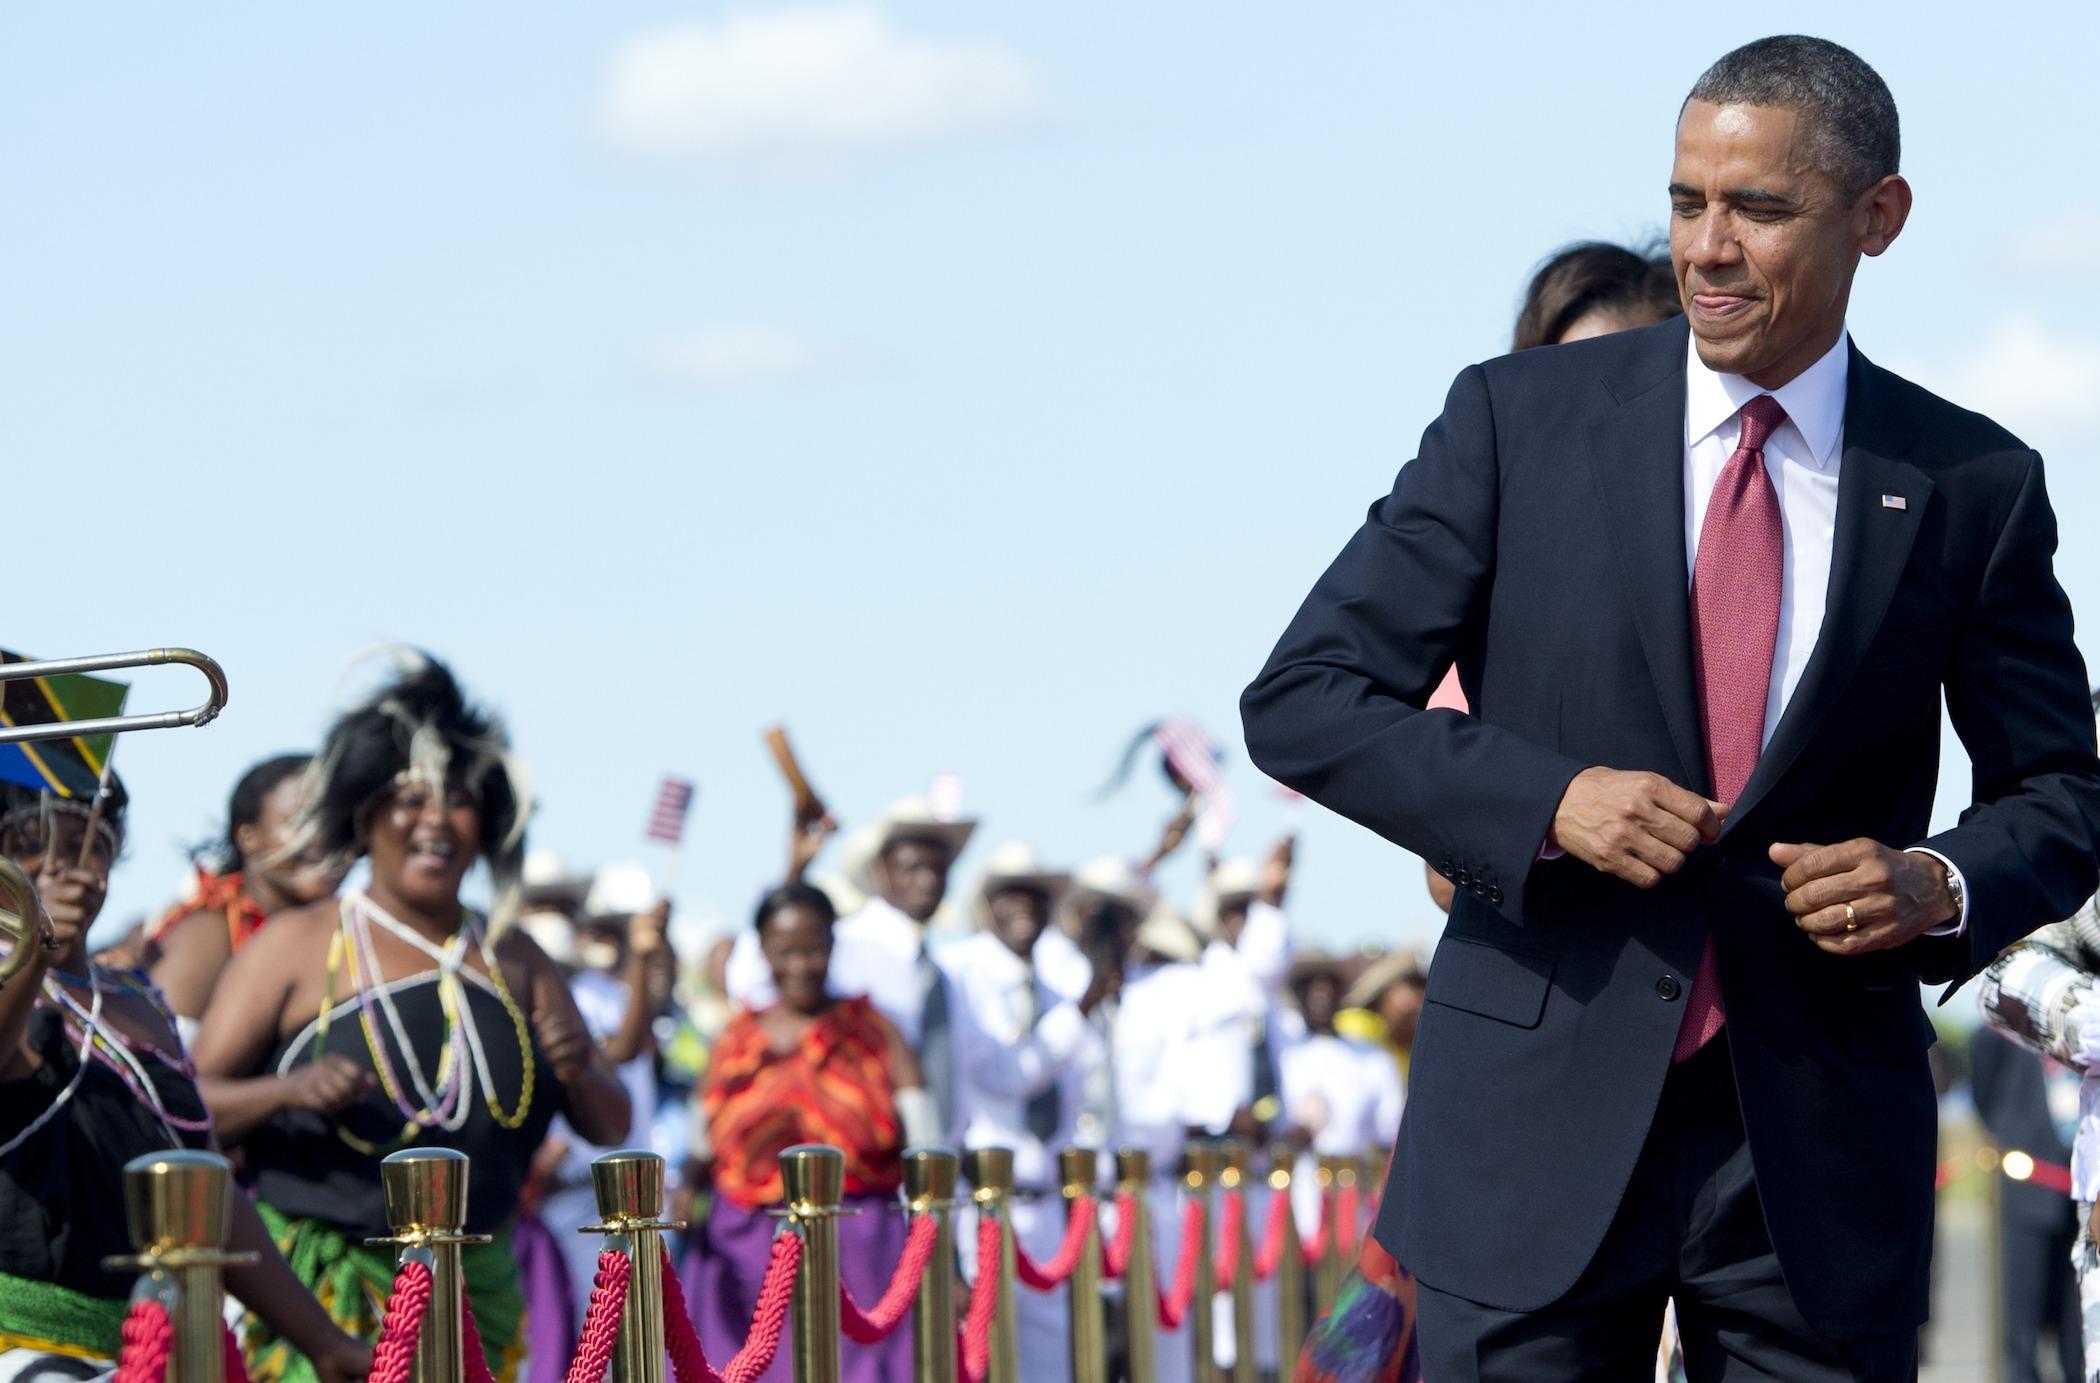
column 215, row 893
column 2029, row 991
column 834, row 1088
column 49, row 1319
column 1368, row 1336
column 352, row 1282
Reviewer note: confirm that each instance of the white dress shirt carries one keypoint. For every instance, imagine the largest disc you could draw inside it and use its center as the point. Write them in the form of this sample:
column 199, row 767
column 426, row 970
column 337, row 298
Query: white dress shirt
column 1176, row 1067
column 1348, row 1093
column 1016, row 1034
column 1804, row 457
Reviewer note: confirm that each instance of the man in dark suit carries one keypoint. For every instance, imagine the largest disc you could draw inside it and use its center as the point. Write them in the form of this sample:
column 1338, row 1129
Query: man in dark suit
column 1704, row 584
column 2037, row 1222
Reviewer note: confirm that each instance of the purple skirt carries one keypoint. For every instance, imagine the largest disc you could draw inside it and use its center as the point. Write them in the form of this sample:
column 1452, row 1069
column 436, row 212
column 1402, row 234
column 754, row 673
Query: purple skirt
column 722, row 1274
column 550, row 1325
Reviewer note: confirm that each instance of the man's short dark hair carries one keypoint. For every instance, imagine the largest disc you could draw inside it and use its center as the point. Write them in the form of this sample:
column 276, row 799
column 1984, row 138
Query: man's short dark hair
column 1855, row 135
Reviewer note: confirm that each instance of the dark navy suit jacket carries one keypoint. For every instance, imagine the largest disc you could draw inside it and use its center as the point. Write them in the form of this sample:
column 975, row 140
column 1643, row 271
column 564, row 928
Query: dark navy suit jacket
column 1537, row 540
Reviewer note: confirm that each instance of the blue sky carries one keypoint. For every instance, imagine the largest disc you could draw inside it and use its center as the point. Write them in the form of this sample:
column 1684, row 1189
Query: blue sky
column 962, row 385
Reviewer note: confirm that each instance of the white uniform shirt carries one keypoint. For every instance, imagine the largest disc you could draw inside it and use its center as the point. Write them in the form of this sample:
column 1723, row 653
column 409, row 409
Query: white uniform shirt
column 1018, row 1030
column 602, row 1001
column 1176, row 1067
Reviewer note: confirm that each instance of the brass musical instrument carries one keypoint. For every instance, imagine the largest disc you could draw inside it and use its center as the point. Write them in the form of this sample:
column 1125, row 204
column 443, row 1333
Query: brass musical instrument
column 116, row 725
column 22, row 920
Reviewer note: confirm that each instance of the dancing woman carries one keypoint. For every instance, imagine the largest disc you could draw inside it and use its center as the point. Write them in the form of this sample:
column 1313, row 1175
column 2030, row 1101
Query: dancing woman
column 465, row 1028
column 92, row 1075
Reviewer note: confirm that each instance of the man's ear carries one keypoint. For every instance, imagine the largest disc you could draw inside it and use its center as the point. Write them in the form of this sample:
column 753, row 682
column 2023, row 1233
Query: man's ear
column 1881, row 213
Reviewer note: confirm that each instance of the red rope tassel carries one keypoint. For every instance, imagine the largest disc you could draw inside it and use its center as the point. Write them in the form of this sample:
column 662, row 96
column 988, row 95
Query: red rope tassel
column 1174, row 1307
column 601, row 1319
column 769, row 1318
column 878, row 1323
column 395, row 1354
column 1117, row 1256
column 1269, row 1257
column 149, row 1340
column 984, row 1297
column 1050, row 1276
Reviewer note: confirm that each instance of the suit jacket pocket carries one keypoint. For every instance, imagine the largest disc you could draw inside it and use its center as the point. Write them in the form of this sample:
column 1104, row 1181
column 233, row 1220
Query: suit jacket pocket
column 1496, row 982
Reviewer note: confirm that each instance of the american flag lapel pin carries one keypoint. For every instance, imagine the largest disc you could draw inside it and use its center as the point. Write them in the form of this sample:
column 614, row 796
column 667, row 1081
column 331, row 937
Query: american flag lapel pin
column 1894, row 502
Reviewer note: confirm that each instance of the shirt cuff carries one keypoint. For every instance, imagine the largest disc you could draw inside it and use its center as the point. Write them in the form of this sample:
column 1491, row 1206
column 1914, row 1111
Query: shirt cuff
column 1960, row 924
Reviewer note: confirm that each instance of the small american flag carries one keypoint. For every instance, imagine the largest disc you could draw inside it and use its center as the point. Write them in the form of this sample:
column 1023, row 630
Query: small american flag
column 674, row 798
column 1190, row 752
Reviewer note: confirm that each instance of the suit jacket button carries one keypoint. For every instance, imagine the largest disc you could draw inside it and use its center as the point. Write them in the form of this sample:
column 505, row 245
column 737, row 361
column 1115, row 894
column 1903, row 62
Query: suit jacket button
column 1464, row 879
column 1667, row 989
column 1495, row 894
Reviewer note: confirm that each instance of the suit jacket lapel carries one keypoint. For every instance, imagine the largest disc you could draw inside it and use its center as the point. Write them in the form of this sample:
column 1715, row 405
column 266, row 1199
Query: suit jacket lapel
column 1636, row 459
column 1870, row 549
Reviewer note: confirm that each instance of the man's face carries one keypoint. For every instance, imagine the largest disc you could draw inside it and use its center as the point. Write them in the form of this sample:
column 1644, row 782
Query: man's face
column 913, row 877
column 1764, row 241
column 1232, row 917
column 1018, row 918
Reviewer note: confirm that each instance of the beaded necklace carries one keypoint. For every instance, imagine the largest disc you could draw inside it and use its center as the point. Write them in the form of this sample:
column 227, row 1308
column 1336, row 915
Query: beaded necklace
column 120, row 1052
column 80, row 1070
column 446, row 1107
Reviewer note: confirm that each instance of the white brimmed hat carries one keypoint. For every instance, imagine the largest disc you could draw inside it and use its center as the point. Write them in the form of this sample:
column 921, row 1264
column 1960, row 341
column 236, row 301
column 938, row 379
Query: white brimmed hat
column 913, row 818
column 1014, row 865
column 1111, row 878
column 1165, row 932
column 619, row 891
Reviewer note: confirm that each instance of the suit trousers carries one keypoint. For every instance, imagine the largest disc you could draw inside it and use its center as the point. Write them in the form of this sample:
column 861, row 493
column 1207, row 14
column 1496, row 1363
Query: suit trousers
column 1689, row 1228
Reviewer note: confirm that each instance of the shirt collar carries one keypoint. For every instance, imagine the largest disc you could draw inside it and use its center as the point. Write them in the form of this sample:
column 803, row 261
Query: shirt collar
column 1814, row 400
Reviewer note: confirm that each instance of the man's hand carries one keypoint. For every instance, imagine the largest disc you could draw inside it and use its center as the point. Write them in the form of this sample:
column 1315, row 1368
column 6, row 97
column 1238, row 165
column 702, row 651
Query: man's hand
column 72, row 899
column 1639, row 827
column 806, row 841
column 325, row 1086
column 1862, row 896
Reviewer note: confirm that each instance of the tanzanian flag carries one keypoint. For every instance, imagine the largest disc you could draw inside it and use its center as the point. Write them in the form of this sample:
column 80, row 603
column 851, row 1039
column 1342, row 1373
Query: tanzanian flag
column 68, row 767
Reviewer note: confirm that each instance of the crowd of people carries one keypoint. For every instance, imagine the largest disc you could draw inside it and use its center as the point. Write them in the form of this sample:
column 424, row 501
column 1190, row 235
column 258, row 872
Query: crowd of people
column 327, row 995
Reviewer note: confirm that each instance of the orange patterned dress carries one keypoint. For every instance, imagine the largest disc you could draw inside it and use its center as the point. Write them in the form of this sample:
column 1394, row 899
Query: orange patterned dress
column 835, row 1088
column 215, row 893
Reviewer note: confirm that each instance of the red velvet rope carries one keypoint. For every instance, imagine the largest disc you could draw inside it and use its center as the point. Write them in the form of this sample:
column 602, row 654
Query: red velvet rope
column 1275, row 1233
column 476, row 1363
column 880, row 1321
column 1230, row 1225
column 1116, row 1257
column 601, row 1319
column 1050, row 1276
column 1174, row 1307
column 149, row 1340
column 395, row 1354
column 1348, row 1209
column 236, row 1362
column 776, row 1294
column 984, row 1297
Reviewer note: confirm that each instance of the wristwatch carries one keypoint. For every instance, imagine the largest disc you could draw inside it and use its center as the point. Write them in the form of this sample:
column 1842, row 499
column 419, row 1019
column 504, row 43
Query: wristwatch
column 1954, row 891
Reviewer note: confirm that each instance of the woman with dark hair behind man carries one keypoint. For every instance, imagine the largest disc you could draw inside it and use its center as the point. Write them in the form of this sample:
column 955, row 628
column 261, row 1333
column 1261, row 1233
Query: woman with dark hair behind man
column 462, row 1028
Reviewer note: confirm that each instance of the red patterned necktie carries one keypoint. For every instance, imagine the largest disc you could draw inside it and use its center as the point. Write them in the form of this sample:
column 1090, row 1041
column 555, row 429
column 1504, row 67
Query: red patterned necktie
column 1735, row 629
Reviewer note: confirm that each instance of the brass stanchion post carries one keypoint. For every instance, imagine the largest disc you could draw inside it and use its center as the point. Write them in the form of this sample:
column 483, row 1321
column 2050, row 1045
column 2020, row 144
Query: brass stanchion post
column 177, row 1206
column 630, row 1189
column 991, row 1175
column 1205, row 1164
column 1078, row 1169
column 1991, row 1163
column 1238, row 1178
column 1328, row 1271
column 929, row 1190
column 814, row 1177
column 1290, row 1267
column 426, row 1204
column 1140, row 1284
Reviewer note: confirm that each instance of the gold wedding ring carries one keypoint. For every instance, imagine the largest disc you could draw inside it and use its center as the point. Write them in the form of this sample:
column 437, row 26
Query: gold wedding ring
column 1851, row 919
